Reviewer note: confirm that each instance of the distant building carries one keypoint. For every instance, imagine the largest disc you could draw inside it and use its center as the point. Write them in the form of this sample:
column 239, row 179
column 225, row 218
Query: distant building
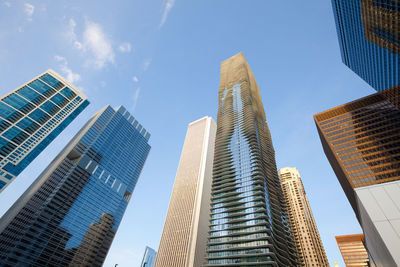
column 369, row 39
column 70, row 214
column 361, row 140
column 304, row 228
column 31, row 116
column 184, row 238
column 249, row 221
column 149, row 257
column 353, row 250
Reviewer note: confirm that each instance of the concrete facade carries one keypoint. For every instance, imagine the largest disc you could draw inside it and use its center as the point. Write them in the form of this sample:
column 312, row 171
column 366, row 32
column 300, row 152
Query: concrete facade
column 379, row 209
column 184, row 238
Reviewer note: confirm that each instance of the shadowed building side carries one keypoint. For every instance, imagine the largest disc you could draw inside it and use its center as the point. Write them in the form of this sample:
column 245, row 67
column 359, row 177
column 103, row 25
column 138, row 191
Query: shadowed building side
column 362, row 143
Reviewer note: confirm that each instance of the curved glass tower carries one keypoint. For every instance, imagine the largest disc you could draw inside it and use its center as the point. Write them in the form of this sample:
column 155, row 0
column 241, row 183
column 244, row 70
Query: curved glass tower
column 249, row 222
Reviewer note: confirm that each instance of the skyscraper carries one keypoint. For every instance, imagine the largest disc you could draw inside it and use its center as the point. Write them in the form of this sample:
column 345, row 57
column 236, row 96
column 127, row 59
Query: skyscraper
column 184, row 238
column 149, row 257
column 369, row 39
column 362, row 143
column 31, row 117
column 305, row 231
column 353, row 250
column 249, row 221
column 70, row 214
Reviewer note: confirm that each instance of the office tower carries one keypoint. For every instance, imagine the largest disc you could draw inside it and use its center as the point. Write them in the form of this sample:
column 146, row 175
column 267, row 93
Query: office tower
column 149, row 257
column 184, row 238
column 249, row 221
column 304, row 229
column 369, row 39
column 353, row 250
column 31, row 117
column 362, row 143
column 70, row 214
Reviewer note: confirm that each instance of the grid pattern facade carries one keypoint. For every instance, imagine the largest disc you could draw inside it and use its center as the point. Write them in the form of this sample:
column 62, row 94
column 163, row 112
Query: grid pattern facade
column 31, row 117
column 353, row 250
column 361, row 140
column 369, row 39
column 70, row 214
column 184, row 238
column 249, row 223
column 149, row 257
column 304, row 228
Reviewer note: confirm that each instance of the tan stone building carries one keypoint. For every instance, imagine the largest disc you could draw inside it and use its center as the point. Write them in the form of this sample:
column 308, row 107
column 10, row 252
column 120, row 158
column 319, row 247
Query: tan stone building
column 305, row 231
column 184, row 238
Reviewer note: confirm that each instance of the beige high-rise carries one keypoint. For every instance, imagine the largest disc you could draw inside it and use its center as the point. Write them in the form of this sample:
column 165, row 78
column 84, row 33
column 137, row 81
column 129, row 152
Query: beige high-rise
column 184, row 238
column 308, row 241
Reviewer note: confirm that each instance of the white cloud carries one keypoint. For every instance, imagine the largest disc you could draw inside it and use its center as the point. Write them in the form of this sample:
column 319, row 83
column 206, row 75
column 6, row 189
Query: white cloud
column 70, row 75
column 146, row 64
column 94, row 43
column 72, row 35
column 97, row 43
column 125, row 47
column 29, row 9
column 167, row 9
column 135, row 98
column 7, row 4
column 135, row 79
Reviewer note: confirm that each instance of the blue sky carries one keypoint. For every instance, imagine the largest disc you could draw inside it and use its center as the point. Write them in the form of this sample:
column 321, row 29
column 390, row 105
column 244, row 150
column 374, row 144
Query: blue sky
column 161, row 60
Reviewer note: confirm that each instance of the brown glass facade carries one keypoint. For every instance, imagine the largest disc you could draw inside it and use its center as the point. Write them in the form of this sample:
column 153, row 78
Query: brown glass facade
column 353, row 250
column 381, row 20
column 362, row 140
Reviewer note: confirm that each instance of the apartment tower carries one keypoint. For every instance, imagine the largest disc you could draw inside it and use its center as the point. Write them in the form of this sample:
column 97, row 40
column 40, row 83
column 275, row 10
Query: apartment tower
column 304, row 229
column 31, row 117
column 184, row 238
column 249, row 221
column 70, row 214
column 361, row 140
column 353, row 250
column 369, row 39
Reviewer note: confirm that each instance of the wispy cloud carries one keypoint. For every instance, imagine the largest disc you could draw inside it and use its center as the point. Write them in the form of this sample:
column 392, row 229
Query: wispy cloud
column 70, row 75
column 125, row 47
column 167, row 8
column 7, row 4
column 135, row 79
column 135, row 98
column 146, row 64
column 29, row 9
column 94, row 43
column 72, row 35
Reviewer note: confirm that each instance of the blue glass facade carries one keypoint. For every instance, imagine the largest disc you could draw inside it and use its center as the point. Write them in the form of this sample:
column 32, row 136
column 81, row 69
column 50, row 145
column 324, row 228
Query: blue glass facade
column 369, row 39
column 149, row 257
column 31, row 117
column 69, row 216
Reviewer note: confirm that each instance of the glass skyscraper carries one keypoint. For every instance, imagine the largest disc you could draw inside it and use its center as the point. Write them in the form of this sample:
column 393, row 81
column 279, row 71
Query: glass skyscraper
column 70, row 214
column 369, row 39
column 249, row 220
column 149, row 257
column 31, row 117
